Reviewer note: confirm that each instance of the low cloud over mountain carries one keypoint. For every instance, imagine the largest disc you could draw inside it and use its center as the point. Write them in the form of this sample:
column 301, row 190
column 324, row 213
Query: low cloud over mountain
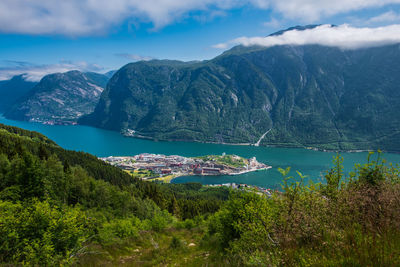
column 343, row 36
column 34, row 72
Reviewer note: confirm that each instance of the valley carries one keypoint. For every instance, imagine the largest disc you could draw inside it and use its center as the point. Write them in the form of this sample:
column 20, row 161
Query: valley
column 199, row 133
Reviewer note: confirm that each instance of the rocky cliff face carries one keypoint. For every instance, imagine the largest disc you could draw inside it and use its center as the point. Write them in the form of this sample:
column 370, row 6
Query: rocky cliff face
column 303, row 96
column 60, row 98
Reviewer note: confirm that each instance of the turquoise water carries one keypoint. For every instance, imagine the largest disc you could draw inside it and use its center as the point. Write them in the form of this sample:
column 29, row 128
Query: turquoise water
column 106, row 143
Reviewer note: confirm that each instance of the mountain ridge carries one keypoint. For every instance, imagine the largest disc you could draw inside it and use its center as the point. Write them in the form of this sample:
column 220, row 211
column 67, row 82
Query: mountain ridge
column 300, row 94
column 60, row 98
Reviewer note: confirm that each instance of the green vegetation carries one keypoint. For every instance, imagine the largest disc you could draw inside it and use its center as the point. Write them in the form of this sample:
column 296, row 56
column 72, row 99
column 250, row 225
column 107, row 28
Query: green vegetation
column 229, row 160
column 351, row 221
column 60, row 207
column 139, row 174
column 150, row 176
column 309, row 96
column 57, row 206
column 164, row 179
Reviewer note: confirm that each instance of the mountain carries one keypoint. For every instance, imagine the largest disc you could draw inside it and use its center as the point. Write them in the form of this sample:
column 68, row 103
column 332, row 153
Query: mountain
column 298, row 28
column 60, row 98
column 298, row 96
column 11, row 90
column 110, row 73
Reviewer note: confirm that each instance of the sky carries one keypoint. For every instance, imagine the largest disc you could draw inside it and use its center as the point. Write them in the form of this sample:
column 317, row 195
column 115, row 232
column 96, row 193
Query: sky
column 38, row 37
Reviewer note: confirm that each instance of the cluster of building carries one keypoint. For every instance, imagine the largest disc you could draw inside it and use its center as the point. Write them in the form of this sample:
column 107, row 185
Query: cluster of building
column 183, row 166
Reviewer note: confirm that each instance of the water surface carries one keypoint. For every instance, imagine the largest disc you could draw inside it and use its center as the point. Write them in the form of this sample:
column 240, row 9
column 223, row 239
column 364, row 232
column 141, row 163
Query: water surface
column 107, row 143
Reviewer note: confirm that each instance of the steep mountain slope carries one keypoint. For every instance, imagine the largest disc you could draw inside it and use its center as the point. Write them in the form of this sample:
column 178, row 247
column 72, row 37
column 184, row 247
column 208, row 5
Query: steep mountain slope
column 11, row 90
column 303, row 96
column 60, row 98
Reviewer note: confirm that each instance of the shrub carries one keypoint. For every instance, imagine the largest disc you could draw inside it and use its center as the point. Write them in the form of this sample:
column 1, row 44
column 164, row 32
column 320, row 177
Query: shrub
column 119, row 229
column 160, row 221
column 176, row 243
column 349, row 224
column 40, row 234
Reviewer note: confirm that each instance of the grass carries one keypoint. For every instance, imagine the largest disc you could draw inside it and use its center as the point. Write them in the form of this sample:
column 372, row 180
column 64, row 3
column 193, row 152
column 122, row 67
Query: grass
column 154, row 249
column 165, row 179
column 228, row 160
column 141, row 173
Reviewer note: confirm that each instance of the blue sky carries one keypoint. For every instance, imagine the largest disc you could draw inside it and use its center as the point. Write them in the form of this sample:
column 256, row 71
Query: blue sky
column 41, row 37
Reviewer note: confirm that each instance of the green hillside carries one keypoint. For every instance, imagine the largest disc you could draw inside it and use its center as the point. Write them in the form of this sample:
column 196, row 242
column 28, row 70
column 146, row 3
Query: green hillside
column 54, row 202
column 303, row 96
column 60, row 207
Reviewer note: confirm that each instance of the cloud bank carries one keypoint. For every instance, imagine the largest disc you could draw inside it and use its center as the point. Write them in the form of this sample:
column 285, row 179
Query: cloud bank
column 343, row 36
column 311, row 10
column 33, row 72
column 88, row 17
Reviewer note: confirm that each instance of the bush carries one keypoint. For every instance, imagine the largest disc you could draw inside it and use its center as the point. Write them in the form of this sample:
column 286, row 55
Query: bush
column 118, row 229
column 160, row 221
column 176, row 243
column 189, row 224
column 346, row 224
column 40, row 234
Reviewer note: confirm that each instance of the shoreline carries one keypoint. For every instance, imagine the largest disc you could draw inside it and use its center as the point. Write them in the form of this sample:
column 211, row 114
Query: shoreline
column 254, row 145
column 206, row 175
column 182, row 140
column 217, row 143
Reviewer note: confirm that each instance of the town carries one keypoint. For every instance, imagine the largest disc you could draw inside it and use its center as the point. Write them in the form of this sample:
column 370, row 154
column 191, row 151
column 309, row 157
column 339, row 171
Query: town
column 153, row 166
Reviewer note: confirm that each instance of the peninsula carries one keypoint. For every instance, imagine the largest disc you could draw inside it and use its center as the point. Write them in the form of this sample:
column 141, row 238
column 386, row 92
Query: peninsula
column 165, row 168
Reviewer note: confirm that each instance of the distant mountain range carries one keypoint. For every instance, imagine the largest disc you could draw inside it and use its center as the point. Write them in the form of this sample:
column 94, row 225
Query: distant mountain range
column 60, row 98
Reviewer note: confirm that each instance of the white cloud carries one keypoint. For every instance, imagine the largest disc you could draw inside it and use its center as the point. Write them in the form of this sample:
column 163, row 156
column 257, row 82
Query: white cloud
column 84, row 17
column 343, row 36
column 134, row 57
column 389, row 16
column 273, row 23
column 222, row 45
column 311, row 10
column 33, row 72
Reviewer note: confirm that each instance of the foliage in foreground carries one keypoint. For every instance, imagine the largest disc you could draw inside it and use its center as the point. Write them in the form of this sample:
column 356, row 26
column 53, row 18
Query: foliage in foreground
column 341, row 223
column 60, row 207
column 55, row 204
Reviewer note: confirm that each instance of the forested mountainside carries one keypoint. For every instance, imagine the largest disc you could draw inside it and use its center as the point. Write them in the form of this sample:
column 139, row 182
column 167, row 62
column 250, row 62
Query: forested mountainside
column 60, row 98
column 301, row 96
column 60, row 207
column 13, row 89
column 53, row 201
